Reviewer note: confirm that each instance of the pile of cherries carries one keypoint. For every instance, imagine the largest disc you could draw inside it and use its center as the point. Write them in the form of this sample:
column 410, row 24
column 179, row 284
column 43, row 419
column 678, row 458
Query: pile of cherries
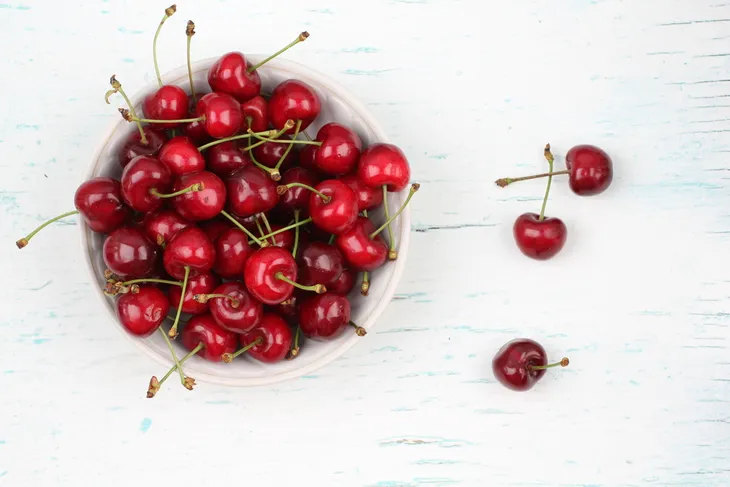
column 223, row 214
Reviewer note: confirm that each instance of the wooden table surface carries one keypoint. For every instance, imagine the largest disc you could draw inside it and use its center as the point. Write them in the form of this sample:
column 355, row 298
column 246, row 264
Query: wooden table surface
column 471, row 90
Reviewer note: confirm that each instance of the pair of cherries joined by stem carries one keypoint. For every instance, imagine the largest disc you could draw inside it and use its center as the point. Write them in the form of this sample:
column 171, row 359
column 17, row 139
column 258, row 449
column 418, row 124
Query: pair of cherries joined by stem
column 590, row 172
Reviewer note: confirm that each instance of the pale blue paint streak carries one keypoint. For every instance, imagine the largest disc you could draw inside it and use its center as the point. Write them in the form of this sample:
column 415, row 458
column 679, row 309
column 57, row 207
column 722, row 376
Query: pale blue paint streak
column 144, row 426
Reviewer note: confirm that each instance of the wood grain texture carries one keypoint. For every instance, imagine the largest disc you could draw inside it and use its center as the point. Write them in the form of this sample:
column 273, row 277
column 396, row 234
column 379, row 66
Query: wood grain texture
column 471, row 90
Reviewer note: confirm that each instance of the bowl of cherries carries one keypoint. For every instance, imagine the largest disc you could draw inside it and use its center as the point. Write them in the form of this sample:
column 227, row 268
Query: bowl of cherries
column 245, row 221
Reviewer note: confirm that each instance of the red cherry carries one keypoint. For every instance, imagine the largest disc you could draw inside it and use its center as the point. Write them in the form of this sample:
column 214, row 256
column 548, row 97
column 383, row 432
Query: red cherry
column 181, row 156
column 296, row 197
column 306, row 158
column 269, row 154
column 270, row 341
column 284, row 239
column 133, row 146
column 195, row 131
column 293, row 100
column 203, row 204
column 539, row 239
column 128, row 253
column 359, row 250
column 162, row 225
column 251, row 191
column 211, row 340
column 367, row 198
column 203, row 283
column 289, row 309
column 143, row 180
column 340, row 149
column 591, row 170
column 520, row 363
column 384, row 164
column 214, row 228
column 169, row 102
column 325, row 316
column 263, row 271
column 338, row 213
column 319, row 263
column 142, row 312
column 232, row 250
column 233, row 308
column 99, row 200
column 229, row 74
column 343, row 284
column 255, row 111
column 222, row 113
column 189, row 248
column 225, row 158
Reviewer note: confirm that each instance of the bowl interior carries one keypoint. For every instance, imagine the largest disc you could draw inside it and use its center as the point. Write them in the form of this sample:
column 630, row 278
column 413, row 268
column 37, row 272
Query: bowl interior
column 337, row 105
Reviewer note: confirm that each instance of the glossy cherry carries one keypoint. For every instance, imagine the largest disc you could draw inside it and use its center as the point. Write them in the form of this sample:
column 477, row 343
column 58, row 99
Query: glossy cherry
column 214, row 228
column 269, row 154
column 260, row 274
column 339, row 212
column 293, row 100
column 160, row 226
column 195, row 131
column 133, row 146
column 232, row 250
column 181, row 156
column 189, row 248
column 128, row 253
column 142, row 312
column 251, row 191
column 274, row 336
column 319, row 263
column 591, row 170
column 143, row 179
column 306, row 158
column 284, row 239
column 169, row 102
column 203, row 204
column 225, row 158
column 340, row 149
column 384, row 164
column 222, row 113
column 539, row 239
column 215, row 339
column 202, row 283
column 343, row 284
column 255, row 114
column 99, row 201
column 520, row 363
column 238, row 311
column 359, row 250
column 296, row 197
column 367, row 198
column 324, row 316
column 229, row 74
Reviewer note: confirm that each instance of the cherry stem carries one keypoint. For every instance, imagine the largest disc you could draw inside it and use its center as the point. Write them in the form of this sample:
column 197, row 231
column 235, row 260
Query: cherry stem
column 159, row 281
column 281, row 189
column 391, row 238
column 287, row 228
column 173, row 330
column 300, row 38
column 189, row 383
column 317, row 288
column 295, row 247
column 168, row 13
column 243, row 229
column 507, row 181
column 262, row 140
column 295, row 345
column 174, row 355
column 331, row 239
column 258, row 225
column 359, row 330
column 190, row 32
column 204, row 298
column 236, row 137
column 228, row 357
column 365, row 213
column 306, row 135
column 273, row 173
column 117, row 88
column 563, row 363
column 414, row 188
column 266, row 224
column 289, row 147
column 551, row 160
column 365, row 286
column 190, row 189
column 24, row 241
column 150, row 120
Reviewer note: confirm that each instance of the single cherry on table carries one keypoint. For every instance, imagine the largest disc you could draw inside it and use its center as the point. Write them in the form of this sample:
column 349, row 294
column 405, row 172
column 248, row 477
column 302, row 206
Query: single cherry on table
column 521, row 363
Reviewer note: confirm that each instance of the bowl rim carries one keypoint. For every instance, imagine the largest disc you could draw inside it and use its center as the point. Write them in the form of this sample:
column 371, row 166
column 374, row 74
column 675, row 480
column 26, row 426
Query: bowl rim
column 174, row 76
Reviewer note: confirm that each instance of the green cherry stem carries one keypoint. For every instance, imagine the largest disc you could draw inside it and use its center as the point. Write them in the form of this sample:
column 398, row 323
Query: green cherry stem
column 158, row 281
column 414, row 188
column 190, row 32
column 266, row 224
column 331, row 239
column 295, row 247
column 317, row 288
column 288, row 227
column 262, row 140
column 174, row 355
column 173, row 330
column 273, row 173
column 295, row 345
column 168, row 13
column 289, row 147
column 204, row 298
column 243, row 229
column 258, row 226
column 359, row 330
column 502, row 182
column 131, row 118
column 551, row 160
column 365, row 286
column 563, row 363
column 300, row 38
column 190, row 189
column 117, row 88
column 228, row 357
column 236, row 137
column 391, row 252
column 283, row 188
column 189, row 381
column 24, row 241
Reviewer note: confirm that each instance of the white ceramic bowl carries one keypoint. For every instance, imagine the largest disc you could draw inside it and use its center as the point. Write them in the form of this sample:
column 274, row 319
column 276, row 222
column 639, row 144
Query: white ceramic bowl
column 337, row 105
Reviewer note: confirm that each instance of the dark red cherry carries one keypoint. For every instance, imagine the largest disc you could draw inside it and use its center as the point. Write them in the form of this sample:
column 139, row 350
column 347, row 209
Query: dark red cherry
column 215, row 339
column 203, row 283
column 520, row 363
column 195, row 131
column 181, row 156
column 359, row 250
column 222, row 113
column 340, row 149
column 128, row 253
column 319, row 263
column 170, row 102
column 296, row 197
column 293, row 100
column 251, row 191
column 591, row 170
column 189, row 248
column 143, row 179
column 142, row 312
column 255, row 111
column 539, row 239
column 338, row 214
column 203, row 204
column 229, row 74
column 285, row 239
column 239, row 311
column 306, row 159
column 289, row 309
column 275, row 337
column 343, row 284
column 232, row 250
column 133, row 146
column 384, row 164
column 269, row 154
column 367, row 198
column 225, row 158
column 99, row 201
column 260, row 274
column 161, row 225
column 214, row 228
column 325, row 316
